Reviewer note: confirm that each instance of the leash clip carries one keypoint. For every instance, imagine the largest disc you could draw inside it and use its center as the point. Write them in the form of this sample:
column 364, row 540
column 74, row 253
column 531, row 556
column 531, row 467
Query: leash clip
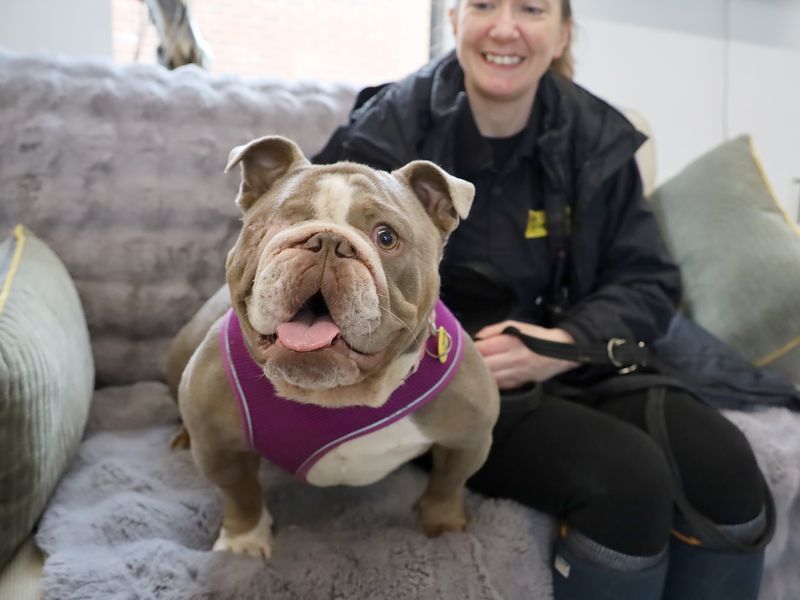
column 622, row 368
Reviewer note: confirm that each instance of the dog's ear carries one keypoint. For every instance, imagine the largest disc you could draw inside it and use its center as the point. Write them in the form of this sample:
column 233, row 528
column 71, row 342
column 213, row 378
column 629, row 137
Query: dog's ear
column 263, row 161
column 444, row 197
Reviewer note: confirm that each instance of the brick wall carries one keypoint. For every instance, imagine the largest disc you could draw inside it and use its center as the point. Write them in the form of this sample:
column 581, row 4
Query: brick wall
column 364, row 41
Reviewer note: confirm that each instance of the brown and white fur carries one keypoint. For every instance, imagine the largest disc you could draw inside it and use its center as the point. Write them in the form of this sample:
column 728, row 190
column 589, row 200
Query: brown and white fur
column 309, row 231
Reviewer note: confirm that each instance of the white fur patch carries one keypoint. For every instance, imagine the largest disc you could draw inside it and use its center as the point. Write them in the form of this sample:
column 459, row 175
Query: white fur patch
column 256, row 542
column 371, row 457
column 397, row 372
column 335, row 198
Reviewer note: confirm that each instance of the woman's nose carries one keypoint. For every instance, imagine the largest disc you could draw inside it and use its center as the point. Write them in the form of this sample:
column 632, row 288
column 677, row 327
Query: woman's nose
column 505, row 24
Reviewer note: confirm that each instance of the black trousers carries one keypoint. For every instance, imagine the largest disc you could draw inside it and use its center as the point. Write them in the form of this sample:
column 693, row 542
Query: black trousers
column 594, row 466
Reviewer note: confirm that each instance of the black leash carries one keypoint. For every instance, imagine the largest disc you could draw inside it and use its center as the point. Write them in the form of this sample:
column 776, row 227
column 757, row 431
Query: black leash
column 627, row 358
column 702, row 528
column 617, row 352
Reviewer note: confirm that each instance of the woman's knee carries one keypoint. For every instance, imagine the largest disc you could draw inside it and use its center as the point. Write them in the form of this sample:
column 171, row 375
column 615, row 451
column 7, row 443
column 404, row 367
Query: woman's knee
column 626, row 504
column 719, row 473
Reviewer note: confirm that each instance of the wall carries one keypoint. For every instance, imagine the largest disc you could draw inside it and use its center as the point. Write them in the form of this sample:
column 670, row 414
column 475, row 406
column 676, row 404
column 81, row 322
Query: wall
column 701, row 72
column 366, row 41
column 81, row 28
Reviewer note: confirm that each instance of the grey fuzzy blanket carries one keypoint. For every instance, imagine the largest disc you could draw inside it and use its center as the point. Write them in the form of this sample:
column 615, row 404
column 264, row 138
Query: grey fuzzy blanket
column 133, row 520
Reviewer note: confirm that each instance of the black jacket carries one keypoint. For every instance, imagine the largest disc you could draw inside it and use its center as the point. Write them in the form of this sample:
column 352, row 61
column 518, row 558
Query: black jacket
column 619, row 279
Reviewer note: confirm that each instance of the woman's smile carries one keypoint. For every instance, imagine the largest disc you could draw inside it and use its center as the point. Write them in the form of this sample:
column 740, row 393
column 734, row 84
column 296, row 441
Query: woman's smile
column 503, row 60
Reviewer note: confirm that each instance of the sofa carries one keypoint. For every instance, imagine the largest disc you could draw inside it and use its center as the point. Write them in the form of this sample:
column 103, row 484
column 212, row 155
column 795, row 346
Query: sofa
column 116, row 218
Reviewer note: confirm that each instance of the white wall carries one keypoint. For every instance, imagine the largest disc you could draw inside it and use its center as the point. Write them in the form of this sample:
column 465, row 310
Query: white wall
column 701, row 72
column 73, row 27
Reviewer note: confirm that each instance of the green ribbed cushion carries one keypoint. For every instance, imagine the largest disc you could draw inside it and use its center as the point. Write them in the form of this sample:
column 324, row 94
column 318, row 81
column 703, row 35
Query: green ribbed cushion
column 739, row 254
column 46, row 381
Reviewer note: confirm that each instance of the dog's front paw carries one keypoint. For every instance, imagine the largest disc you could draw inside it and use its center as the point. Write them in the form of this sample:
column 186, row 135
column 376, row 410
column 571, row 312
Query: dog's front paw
column 256, row 542
column 436, row 517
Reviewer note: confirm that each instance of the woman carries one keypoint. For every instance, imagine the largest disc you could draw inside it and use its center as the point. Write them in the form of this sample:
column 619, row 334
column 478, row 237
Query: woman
column 560, row 223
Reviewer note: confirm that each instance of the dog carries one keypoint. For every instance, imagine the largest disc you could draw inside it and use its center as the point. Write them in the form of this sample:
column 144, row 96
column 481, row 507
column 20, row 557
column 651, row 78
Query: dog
column 332, row 304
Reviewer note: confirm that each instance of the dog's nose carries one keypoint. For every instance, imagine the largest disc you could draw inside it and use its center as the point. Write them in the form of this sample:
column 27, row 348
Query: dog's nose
column 326, row 240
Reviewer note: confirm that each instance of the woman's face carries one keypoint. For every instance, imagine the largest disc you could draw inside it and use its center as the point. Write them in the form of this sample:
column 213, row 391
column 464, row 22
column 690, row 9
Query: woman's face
column 505, row 46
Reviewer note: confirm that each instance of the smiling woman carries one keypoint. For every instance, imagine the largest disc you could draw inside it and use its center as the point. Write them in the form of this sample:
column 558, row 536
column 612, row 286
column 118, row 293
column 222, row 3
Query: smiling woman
column 504, row 48
column 563, row 64
column 560, row 232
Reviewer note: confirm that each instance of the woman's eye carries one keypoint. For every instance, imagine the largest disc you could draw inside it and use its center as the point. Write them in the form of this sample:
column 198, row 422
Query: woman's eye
column 481, row 5
column 533, row 9
column 385, row 237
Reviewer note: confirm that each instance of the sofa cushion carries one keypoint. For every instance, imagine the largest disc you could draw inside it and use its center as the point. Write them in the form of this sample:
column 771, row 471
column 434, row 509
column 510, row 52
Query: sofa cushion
column 46, row 381
column 738, row 252
column 120, row 169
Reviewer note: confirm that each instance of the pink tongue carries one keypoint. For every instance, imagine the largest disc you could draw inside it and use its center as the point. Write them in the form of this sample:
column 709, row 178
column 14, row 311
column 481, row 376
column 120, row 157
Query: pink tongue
column 307, row 333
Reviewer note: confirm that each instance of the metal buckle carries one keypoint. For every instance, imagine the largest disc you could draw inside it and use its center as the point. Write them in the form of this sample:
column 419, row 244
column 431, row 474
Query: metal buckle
column 622, row 368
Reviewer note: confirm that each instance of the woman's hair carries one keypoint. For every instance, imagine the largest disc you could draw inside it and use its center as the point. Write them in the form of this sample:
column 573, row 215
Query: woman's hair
column 565, row 64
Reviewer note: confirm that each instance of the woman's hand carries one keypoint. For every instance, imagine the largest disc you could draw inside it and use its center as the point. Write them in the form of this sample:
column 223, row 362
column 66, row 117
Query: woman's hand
column 511, row 362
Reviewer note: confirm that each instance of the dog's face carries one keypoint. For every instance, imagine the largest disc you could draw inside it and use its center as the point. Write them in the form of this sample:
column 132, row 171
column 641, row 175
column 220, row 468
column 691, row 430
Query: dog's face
column 335, row 271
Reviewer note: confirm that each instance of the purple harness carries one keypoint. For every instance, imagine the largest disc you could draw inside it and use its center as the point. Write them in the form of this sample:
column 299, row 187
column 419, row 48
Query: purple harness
column 295, row 435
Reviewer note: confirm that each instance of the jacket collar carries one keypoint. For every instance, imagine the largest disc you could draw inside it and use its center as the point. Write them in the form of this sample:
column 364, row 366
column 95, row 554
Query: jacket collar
column 450, row 111
column 578, row 131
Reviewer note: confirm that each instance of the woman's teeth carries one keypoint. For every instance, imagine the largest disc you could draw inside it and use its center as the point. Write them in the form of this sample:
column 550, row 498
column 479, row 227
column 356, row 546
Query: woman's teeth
column 503, row 60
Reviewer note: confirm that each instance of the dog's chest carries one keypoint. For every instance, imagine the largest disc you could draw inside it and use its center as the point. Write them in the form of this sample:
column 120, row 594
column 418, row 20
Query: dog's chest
column 371, row 457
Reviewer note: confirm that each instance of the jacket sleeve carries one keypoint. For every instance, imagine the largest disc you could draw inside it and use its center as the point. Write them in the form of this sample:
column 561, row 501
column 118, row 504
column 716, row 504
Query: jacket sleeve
column 636, row 285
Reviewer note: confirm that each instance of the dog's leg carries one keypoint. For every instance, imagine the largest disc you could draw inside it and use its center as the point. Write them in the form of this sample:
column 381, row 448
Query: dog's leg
column 191, row 335
column 441, row 506
column 211, row 420
column 246, row 522
column 180, row 439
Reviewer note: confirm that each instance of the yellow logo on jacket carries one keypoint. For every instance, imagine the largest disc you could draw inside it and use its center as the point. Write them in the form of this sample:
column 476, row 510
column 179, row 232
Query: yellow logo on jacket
column 537, row 225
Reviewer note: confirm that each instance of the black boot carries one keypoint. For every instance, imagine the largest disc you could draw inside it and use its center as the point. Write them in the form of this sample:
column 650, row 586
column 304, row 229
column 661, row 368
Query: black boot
column 699, row 574
column 576, row 578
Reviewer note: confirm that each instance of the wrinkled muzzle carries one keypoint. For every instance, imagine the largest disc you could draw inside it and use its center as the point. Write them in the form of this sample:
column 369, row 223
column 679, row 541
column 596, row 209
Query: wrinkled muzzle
column 316, row 306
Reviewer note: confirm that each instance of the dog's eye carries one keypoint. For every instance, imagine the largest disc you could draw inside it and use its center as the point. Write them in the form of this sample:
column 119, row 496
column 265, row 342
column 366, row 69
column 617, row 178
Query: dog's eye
column 385, row 237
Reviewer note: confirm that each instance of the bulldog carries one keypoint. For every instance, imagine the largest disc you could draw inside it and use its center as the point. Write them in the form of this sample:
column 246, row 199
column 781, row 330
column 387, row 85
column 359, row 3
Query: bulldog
column 328, row 352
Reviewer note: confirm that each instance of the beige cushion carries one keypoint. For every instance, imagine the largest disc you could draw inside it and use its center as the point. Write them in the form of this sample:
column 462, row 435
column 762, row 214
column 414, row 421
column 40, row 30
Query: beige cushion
column 646, row 154
column 739, row 253
column 46, row 381
column 22, row 578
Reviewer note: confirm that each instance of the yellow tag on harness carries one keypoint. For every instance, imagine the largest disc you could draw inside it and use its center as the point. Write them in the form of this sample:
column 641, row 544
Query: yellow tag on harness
column 443, row 345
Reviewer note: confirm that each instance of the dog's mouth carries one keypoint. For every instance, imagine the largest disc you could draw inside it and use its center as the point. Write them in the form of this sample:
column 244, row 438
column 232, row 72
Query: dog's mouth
column 311, row 328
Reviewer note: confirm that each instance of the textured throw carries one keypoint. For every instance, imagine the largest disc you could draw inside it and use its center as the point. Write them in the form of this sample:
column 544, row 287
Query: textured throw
column 134, row 520
column 120, row 170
